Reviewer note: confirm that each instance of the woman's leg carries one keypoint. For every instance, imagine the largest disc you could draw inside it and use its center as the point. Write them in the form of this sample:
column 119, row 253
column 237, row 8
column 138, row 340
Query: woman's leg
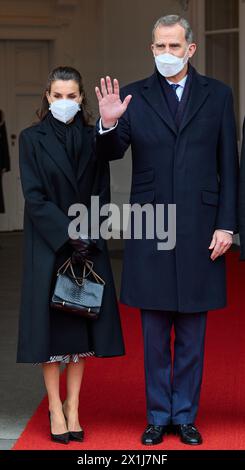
column 51, row 373
column 73, row 380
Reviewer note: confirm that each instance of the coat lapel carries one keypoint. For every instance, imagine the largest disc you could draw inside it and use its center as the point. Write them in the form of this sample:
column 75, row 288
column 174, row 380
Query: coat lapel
column 198, row 95
column 152, row 93
column 86, row 151
column 56, row 151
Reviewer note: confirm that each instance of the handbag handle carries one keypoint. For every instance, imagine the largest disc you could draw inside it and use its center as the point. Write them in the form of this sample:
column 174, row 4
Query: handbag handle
column 88, row 264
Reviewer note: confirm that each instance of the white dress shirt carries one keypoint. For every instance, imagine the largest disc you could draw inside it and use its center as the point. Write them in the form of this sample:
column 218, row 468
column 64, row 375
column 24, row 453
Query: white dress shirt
column 180, row 89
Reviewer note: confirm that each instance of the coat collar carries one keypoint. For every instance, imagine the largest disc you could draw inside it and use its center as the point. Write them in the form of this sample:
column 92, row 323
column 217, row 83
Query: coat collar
column 152, row 92
column 56, row 151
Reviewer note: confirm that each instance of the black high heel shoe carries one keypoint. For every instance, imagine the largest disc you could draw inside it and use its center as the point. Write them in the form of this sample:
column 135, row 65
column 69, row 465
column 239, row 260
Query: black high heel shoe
column 75, row 435
column 59, row 438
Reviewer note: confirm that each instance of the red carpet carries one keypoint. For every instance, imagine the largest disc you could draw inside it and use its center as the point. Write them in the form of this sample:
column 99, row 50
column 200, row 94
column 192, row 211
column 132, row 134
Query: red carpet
column 112, row 399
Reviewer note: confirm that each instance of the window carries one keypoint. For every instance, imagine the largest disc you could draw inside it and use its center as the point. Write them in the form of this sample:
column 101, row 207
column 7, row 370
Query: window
column 222, row 44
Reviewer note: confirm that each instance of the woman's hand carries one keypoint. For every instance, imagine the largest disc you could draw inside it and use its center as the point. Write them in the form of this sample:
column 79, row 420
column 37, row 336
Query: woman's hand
column 110, row 105
column 83, row 248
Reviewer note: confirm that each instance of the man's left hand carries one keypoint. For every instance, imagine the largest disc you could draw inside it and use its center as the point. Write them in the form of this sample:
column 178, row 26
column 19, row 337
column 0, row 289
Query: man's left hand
column 221, row 243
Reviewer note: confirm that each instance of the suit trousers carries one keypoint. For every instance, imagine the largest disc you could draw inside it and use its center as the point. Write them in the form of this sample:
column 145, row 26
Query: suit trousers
column 173, row 384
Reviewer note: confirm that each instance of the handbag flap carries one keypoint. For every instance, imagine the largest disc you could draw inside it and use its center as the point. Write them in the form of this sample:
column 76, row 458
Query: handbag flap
column 88, row 295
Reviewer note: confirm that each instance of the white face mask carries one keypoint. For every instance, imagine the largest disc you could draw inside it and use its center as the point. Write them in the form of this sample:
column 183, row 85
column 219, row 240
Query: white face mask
column 64, row 110
column 169, row 65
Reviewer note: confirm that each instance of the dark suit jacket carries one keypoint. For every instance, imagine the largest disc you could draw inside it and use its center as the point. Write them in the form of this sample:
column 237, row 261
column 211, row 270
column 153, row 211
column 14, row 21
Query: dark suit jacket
column 50, row 187
column 194, row 167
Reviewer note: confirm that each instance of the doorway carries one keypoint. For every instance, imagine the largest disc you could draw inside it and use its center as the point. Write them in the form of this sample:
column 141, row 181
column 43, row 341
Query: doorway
column 24, row 67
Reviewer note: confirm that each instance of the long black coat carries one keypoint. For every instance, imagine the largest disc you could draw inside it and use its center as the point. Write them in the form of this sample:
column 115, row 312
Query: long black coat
column 50, row 187
column 194, row 167
column 4, row 157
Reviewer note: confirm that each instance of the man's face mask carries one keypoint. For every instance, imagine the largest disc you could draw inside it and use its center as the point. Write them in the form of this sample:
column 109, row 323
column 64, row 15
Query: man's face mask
column 169, row 65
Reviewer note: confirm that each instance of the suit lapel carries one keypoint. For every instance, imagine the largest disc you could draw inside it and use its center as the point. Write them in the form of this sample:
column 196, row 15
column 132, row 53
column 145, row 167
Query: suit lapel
column 153, row 94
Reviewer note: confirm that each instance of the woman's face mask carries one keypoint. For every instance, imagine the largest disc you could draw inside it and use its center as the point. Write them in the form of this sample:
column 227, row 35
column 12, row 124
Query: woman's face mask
column 64, row 99
column 64, row 109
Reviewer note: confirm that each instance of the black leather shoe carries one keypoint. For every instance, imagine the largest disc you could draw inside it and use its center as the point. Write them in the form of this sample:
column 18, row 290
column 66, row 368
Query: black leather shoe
column 59, row 438
column 188, row 433
column 153, row 435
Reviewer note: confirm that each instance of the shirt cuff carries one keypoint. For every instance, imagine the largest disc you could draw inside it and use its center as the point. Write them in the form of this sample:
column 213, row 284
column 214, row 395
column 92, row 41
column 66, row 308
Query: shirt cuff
column 105, row 131
column 227, row 231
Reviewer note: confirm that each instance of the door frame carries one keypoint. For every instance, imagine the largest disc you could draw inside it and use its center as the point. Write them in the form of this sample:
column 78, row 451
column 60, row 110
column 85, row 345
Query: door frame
column 197, row 18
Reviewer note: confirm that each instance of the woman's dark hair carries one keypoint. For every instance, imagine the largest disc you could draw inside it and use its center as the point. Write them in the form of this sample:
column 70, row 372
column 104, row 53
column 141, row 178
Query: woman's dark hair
column 64, row 73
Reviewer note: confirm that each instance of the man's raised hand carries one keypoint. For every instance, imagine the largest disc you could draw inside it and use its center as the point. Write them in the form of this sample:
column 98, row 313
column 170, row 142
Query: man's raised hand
column 110, row 105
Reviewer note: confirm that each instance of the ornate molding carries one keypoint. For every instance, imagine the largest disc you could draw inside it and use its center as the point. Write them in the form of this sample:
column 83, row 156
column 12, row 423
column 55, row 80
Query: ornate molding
column 67, row 3
column 45, row 13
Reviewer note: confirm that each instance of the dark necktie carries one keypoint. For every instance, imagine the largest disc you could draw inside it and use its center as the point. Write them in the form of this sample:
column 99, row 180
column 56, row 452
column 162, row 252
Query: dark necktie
column 174, row 87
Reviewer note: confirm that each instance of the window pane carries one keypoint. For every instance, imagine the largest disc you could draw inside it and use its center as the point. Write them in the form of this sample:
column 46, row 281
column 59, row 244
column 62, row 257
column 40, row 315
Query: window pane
column 222, row 14
column 222, row 61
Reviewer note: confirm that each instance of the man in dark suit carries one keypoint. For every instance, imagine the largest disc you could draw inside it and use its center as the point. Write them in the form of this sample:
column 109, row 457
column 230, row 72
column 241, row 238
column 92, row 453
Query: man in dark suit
column 182, row 132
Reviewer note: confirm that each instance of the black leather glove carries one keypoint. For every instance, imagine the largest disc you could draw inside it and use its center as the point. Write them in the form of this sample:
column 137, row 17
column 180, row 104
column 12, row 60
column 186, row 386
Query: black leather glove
column 83, row 248
column 78, row 258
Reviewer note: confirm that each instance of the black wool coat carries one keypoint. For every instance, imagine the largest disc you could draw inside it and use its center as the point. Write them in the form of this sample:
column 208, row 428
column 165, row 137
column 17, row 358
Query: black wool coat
column 50, row 187
column 194, row 167
column 4, row 157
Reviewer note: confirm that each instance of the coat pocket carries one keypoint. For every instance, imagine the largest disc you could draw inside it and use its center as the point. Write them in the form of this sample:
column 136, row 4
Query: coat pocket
column 210, row 197
column 142, row 197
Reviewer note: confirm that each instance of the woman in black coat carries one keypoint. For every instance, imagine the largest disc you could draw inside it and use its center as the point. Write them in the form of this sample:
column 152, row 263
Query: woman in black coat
column 4, row 157
column 59, row 168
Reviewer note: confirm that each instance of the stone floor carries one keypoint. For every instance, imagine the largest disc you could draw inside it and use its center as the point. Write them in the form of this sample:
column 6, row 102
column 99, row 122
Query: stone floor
column 21, row 385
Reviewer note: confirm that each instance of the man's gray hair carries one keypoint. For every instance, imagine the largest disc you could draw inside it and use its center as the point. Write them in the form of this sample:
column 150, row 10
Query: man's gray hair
column 171, row 20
